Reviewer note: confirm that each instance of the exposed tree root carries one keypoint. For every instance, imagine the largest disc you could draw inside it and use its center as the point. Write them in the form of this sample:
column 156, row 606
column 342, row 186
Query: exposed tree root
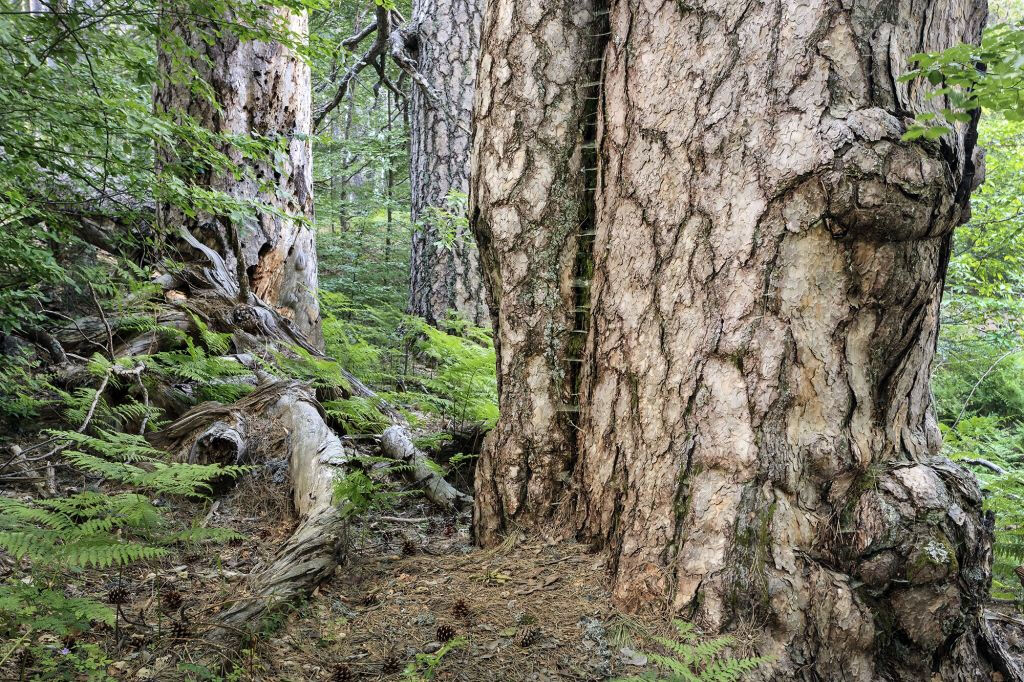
column 312, row 552
column 276, row 414
column 1004, row 636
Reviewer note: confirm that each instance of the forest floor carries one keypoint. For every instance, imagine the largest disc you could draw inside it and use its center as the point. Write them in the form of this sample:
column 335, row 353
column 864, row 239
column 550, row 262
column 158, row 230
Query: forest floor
column 532, row 611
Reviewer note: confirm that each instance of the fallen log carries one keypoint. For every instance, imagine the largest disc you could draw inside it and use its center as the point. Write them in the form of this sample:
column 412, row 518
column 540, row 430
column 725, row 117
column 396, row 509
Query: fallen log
column 310, row 555
column 396, row 443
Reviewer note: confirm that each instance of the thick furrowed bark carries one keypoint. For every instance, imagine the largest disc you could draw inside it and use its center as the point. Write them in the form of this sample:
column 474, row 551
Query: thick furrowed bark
column 443, row 279
column 756, row 439
column 525, row 213
column 758, row 435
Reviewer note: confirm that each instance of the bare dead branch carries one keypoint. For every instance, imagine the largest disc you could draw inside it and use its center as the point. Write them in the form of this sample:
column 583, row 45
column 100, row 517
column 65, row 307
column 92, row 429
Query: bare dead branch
column 379, row 46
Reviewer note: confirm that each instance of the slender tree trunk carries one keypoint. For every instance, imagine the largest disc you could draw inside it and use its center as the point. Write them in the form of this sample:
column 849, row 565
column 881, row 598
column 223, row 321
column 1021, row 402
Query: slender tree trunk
column 389, row 194
column 755, row 442
column 444, row 278
column 262, row 89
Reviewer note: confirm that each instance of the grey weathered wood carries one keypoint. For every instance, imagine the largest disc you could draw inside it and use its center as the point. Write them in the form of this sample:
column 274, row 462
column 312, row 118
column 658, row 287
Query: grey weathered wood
column 396, row 442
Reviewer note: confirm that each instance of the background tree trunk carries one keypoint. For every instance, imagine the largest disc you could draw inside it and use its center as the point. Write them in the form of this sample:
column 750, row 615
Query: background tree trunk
column 756, row 439
column 448, row 41
column 262, row 89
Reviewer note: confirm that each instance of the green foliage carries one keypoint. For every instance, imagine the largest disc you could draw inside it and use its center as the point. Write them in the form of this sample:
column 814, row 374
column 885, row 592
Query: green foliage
column 979, row 377
column 448, row 221
column 425, row 666
column 23, row 388
column 446, row 372
column 994, row 450
column 464, row 384
column 956, row 76
column 210, row 374
column 357, row 493
column 48, row 610
column 128, row 458
column 299, row 363
column 358, row 415
column 94, row 528
column 78, row 131
column 86, row 663
column 82, row 530
column 690, row 658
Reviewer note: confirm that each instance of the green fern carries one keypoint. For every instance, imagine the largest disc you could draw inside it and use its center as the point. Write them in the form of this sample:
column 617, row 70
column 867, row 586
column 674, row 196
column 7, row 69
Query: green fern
column 357, row 492
column 989, row 445
column 691, row 658
column 24, row 388
column 88, row 529
column 48, row 610
column 358, row 415
column 299, row 363
column 464, row 386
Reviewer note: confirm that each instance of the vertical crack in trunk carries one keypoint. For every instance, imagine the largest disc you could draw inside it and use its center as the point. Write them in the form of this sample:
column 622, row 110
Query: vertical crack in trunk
column 583, row 268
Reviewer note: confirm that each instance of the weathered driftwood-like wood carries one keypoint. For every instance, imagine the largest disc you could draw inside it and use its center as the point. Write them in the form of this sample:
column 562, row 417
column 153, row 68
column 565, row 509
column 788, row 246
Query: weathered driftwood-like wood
column 310, row 555
column 222, row 442
column 396, row 443
column 1002, row 633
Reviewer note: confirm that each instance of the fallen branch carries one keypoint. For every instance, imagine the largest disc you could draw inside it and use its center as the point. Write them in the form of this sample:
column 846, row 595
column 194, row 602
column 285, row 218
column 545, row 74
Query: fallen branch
column 397, row 444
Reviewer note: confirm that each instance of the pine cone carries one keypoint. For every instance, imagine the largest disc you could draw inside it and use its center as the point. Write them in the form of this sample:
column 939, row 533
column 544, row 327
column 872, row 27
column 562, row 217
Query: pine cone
column 527, row 636
column 445, row 633
column 180, row 629
column 1020, row 574
column 391, row 664
column 343, row 673
column 171, row 600
column 370, row 598
column 409, row 547
column 118, row 595
column 449, row 529
column 460, row 610
column 26, row 659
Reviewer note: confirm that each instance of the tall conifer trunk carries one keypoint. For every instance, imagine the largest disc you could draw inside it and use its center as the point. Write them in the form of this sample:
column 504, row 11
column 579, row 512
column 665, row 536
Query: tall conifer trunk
column 261, row 89
column 447, row 35
column 756, row 265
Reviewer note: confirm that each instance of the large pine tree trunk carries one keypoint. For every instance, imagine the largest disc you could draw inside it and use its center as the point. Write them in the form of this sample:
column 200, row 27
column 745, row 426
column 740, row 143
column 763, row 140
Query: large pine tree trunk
column 756, row 441
column 527, row 209
column 261, row 89
column 447, row 36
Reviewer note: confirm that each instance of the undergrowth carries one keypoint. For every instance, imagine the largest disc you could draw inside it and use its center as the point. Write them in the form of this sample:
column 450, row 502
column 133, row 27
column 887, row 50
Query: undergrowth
column 692, row 658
